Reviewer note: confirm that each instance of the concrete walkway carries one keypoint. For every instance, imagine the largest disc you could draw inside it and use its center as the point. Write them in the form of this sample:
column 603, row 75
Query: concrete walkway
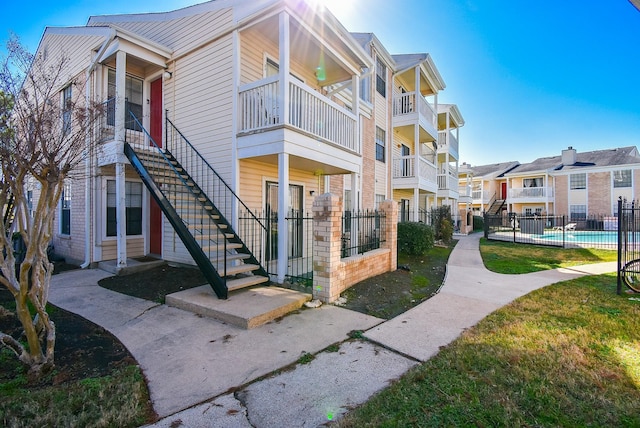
column 192, row 363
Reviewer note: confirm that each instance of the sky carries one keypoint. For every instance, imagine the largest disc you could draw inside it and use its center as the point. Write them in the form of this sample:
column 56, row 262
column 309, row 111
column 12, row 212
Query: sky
column 530, row 78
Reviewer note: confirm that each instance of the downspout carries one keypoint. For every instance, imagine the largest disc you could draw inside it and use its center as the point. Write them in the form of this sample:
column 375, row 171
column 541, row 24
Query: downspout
column 88, row 158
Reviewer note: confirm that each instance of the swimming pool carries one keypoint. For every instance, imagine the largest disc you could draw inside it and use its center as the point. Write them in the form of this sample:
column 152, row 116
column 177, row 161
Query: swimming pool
column 583, row 237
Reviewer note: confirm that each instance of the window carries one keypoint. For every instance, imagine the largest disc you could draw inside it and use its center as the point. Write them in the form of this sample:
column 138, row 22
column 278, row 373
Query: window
column 381, row 138
column 66, row 110
column 381, row 78
column 30, row 202
column 528, row 212
column 532, row 182
column 578, row 212
column 379, row 200
column 578, row 181
column 65, row 210
column 133, row 96
column 133, row 198
column 622, row 178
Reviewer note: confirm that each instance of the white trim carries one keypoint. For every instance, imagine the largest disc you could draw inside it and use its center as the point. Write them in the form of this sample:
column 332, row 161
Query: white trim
column 103, row 209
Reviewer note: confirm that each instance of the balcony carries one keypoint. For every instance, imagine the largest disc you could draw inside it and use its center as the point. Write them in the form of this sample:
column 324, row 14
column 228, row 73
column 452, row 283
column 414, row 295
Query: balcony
column 448, row 185
column 407, row 176
column 530, row 194
column 464, row 194
column 410, row 109
column 447, row 142
column 110, row 151
column 480, row 197
column 314, row 126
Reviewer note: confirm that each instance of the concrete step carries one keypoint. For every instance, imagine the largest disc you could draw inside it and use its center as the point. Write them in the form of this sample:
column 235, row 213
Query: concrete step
column 247, row 308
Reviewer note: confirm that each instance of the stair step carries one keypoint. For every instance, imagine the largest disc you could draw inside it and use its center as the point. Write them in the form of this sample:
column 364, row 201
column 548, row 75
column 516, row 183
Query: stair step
column 243, row 268
column 220, row 248
column 237, row 284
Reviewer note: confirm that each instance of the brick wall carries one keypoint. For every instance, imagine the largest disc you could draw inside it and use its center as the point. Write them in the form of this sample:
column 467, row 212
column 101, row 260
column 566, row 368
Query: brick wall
column 561, row 192
column 599, row 197
column 332, row 274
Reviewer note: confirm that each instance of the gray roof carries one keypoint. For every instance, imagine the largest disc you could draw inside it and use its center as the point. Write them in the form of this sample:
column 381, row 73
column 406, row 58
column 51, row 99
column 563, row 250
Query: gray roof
column 494, row 169
column 594, row 159
column 405, row 61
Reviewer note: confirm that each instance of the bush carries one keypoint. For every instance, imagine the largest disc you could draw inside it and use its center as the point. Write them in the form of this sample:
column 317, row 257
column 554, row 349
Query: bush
column 478, row 223
column 414, row 238
column 442, row 223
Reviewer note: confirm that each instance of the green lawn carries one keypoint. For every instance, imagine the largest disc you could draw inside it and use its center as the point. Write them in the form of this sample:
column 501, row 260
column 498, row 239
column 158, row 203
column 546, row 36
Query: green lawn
column 564, row 355
column 507, row 257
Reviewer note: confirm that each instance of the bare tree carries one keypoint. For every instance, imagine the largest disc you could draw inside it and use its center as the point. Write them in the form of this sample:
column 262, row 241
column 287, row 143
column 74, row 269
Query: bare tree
column 44, row 120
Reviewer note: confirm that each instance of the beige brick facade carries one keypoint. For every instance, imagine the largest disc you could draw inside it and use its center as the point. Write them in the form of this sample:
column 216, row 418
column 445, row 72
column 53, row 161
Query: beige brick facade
column 599, row 193
column 331, row 273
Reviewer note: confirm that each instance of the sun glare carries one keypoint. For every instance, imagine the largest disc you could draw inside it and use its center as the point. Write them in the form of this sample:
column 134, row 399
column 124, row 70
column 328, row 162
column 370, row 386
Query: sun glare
column 340, row 8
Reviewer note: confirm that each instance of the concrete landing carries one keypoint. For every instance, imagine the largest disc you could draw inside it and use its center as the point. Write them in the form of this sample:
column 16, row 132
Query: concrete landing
column 132, row 266
column 246, row 309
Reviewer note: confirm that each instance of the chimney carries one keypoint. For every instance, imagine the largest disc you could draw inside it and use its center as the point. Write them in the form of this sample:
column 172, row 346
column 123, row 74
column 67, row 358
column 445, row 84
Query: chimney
column 569, row 156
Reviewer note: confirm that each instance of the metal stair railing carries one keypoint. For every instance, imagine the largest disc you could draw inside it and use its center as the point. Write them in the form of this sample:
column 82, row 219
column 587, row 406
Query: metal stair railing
column 182, row 203
column 221, row 196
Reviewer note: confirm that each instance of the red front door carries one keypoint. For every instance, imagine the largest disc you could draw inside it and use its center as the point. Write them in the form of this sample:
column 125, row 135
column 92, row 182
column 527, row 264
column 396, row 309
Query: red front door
column 504, row 192
column 155, row 129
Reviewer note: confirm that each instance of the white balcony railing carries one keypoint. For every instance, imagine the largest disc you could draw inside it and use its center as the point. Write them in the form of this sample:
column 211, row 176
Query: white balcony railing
column 452, row 144
column 530, row 193
column 464, row 191
column 309, row 111
column 404, row 167
column 447, row 182
column 480, row 196
column 406, row 104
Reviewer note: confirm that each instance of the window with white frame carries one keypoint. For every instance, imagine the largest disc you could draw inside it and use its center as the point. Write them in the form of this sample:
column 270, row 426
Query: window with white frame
column 381, row 77
column 30, row 202
column 381, row 137
column 528, row 212
column 133, row 96
column 622, row 178
column 66, row 109
column 578, row 181
column 133, row 203
column 533, row 182
column 65, row 210
column 379, row 200
column 577, row 212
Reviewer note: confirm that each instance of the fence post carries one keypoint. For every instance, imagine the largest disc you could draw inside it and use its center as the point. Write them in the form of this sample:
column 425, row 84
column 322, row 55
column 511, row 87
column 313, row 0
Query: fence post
column 327, row 230
column 621, row 219
column 390, row 210
column 485, row 225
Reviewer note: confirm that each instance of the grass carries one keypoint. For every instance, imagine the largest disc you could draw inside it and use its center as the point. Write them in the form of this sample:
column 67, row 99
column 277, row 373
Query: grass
column 565, row 355
column 510, row 258
column 115, row 400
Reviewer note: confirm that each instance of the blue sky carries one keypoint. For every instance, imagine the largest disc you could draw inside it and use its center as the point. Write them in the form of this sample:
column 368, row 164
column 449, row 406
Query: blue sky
column 530, row 78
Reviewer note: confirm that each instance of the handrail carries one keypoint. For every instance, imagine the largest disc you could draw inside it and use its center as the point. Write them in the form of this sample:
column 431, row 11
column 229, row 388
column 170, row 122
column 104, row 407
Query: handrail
column 218, row 193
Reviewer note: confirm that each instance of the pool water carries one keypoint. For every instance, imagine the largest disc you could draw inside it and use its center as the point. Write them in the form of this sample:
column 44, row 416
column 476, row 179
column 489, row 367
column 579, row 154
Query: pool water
column 610, row 237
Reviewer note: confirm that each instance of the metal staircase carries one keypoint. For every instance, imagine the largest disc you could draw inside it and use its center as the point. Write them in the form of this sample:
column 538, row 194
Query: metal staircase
column 221, row 255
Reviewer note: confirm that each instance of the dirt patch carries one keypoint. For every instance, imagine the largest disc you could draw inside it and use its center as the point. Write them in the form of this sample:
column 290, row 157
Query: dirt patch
column 83, row 349
column 154, row 284
column 390, row 294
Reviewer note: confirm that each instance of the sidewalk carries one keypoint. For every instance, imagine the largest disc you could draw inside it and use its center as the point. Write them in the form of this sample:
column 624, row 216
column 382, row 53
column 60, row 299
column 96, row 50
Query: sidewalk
column 192, row 363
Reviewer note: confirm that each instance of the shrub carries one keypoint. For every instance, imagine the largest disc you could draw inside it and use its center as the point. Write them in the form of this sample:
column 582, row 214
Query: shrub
column 414, row 238
column 442, row 223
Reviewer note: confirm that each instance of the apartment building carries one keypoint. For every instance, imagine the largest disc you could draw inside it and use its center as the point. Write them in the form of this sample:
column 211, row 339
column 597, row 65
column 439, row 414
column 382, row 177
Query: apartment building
column 573, row 183
column 224, row 115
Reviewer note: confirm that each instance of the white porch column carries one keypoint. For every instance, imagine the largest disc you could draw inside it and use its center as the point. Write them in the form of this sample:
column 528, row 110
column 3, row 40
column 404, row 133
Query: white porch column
column 285, row 47
column 121, row 212
column 416, row 205
column 355, row 207
column 283, row 207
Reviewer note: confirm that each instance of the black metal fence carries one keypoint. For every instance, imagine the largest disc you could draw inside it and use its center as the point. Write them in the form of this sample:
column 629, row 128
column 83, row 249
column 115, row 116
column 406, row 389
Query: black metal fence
column 300, row 243
column 362, row 231
column 592, row 231
column 629, row 245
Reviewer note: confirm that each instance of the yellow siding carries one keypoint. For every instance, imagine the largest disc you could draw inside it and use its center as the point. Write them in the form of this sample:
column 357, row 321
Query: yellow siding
column 135, row 248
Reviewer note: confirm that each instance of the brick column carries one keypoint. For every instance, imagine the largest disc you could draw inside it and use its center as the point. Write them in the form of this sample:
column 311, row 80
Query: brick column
column 327, row 218
column 390, row 209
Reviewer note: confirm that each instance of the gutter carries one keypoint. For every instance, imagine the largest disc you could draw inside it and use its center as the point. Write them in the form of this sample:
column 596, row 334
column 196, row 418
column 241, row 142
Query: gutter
column 88, row 159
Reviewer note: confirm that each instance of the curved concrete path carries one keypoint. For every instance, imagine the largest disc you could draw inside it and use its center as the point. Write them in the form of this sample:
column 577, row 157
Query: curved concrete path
column 192, row 362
